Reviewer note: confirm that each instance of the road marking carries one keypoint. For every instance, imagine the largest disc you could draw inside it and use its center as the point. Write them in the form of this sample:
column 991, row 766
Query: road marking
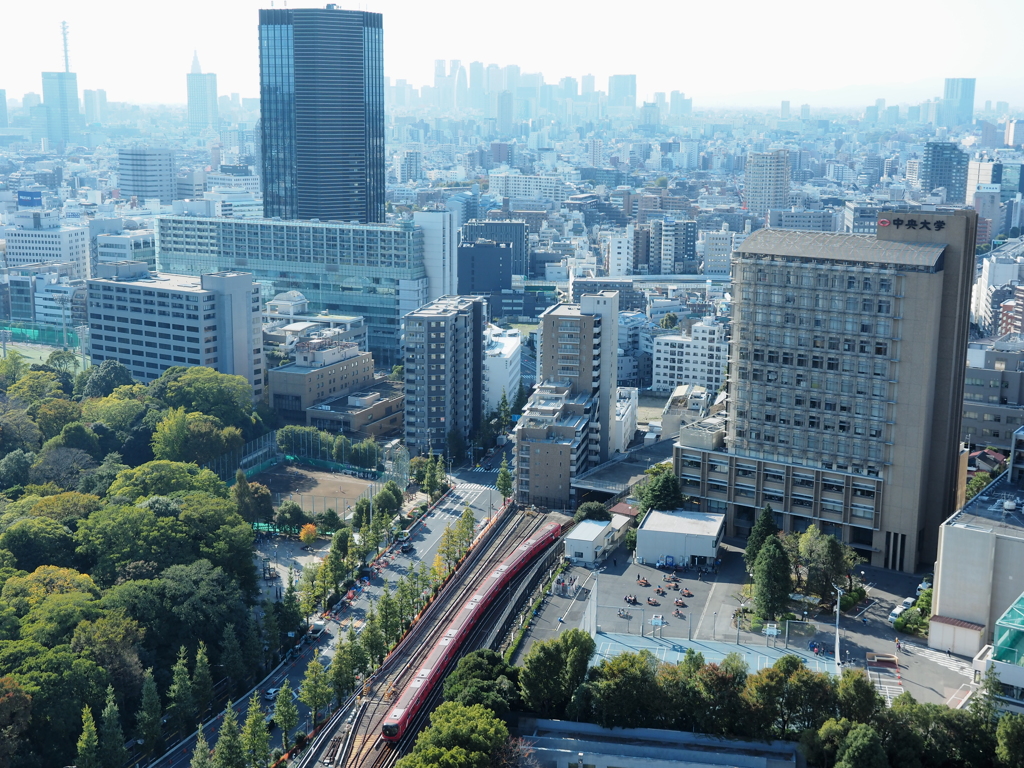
column 951, row 663
column 703, row 612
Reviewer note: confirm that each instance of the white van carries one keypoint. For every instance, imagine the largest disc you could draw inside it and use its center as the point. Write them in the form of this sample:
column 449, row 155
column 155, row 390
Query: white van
column 896, row 613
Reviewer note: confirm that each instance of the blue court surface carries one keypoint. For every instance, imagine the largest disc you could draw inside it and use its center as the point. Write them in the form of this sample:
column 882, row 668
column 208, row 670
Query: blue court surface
column 672, row 649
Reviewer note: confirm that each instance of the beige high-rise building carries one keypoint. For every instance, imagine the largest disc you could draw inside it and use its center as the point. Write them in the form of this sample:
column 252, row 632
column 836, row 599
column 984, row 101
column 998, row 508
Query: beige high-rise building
column 566, row 427
column 845, row 385
column 766, row 181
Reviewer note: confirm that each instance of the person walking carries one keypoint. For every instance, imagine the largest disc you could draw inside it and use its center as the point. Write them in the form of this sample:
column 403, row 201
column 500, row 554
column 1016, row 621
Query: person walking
column 949, row 655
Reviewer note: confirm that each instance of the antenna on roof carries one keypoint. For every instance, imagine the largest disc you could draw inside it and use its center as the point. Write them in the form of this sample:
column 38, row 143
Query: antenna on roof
column 64, row 34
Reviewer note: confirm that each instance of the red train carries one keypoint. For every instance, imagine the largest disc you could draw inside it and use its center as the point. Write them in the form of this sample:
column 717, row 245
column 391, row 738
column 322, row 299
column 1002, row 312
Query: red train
column 447, row 646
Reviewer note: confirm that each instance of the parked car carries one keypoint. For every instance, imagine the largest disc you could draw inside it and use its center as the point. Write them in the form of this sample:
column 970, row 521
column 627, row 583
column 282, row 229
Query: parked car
column 271, row 693
column 896, row 613
column 909, row 601
column 923, row 586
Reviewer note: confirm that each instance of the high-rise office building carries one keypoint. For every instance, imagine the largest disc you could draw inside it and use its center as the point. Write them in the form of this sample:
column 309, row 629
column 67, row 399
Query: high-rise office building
column 515, row 233
column 322, row 111
column 373, row 270
column 1014, row 134
column 622, row 91
column 566, row 427
column 587, row 85
column 151, row 321
column 60, row 99
column 944, row 164
column 202, row 98
column 147, row 173
column 845, row 385
column 3, row 108
column 485, row 269
column 679, row 105
column 95, row 103
column 784, row 110
column 766, row 181
column 959, row 94
column 443, row 373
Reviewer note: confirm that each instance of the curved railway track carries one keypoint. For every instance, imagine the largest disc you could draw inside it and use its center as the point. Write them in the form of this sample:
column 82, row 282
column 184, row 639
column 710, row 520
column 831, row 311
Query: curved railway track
column 360, row 744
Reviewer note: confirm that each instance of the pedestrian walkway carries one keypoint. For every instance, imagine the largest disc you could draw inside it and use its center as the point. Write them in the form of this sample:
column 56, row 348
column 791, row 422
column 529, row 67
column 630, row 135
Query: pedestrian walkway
column 482, row 469
column 887, row 682
column 953, row 663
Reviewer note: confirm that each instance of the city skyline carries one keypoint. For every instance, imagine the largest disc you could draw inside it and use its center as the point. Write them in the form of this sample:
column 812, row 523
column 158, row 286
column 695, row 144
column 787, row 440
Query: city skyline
column 714, row 69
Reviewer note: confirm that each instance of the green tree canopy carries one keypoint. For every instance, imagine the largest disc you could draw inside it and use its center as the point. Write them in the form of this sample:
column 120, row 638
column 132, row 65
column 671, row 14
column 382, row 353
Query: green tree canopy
column 162, row 478
column 771, row 579
column 458, row 735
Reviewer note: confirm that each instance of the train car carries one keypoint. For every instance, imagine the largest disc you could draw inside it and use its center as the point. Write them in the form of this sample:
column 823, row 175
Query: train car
column 447, row 646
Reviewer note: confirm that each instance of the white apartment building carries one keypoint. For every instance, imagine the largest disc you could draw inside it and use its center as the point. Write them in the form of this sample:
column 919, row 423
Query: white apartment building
column 38, row 237
column 620, row 253
column 128, row 245
column 766, row 181
column 627, row 401
column 218, row 180
column 150, row 321
column 718, row 247
column 502, row 356
column 440, row 246
column 511, row 183
column 700, row 358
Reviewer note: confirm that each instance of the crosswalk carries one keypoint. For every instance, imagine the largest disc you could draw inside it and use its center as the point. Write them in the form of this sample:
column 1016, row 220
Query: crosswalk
column 952, row 663
column 887, row 682
column 482, row 469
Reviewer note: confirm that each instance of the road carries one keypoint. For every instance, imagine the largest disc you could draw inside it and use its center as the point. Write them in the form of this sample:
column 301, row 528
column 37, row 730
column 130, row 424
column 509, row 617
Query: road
column 473, row 489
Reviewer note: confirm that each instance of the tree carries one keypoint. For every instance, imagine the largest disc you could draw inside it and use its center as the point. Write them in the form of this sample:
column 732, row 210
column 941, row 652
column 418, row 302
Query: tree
column 88, row 743
column 162, row 478
column 764, row 528
column 226, row 397
column 456, row 446
column 862, row 749
column 12, row 367
column 37, row 541
column 342, row 674
column 397, row 373
column 202, row 681
column 822, row 556
column 504, row 412
column 316, row 691
column 14, row 468
column 771, row 580
column 592, row 510
column 554, row 669
column 461, row 736
column 105, row 378
column 522, row 397
column 201, row 753
column 483, row 677
column 859, row 700
column 228, row 752
column 504, row 480
column 623, row 690
column 180, row 699
column 255, row 737
column 984, row 703
column 669, row 321
column 35, row 386
column 231, row 657
column 147, row 720
column 54, row 414
column 63, row 361
column 1010, row 741
column 286, row 714
column 661, row 492
column 307, row 534
column 111, row 742
column 15, row 716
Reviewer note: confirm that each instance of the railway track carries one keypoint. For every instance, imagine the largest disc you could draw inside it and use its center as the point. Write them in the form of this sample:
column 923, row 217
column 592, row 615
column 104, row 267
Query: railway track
column 355, row 741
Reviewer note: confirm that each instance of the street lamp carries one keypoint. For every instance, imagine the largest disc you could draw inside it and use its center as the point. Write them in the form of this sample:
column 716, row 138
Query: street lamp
column 714, row 621
column 839, row 600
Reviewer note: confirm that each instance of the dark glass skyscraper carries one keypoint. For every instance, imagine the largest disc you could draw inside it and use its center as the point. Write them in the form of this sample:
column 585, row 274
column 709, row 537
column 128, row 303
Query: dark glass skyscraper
column 322, row 111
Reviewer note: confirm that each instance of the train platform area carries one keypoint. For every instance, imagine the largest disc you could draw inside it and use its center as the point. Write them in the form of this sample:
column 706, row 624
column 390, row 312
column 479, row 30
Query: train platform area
column 672, row 650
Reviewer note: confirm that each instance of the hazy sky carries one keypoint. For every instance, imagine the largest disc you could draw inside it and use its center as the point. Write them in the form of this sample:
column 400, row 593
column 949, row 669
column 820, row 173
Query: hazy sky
column 740, row 53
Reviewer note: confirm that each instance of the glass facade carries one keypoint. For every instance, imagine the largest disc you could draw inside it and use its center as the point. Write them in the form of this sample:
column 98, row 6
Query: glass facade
column 322, row 110
column 373, row 270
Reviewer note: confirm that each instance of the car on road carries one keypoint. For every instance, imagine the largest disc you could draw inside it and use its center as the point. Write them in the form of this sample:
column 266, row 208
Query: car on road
column 909, row 601
column 407, row 547
column 271, row 693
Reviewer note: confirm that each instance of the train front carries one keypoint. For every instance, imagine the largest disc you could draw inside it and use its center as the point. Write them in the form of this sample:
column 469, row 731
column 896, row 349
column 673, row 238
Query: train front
column 392, row 728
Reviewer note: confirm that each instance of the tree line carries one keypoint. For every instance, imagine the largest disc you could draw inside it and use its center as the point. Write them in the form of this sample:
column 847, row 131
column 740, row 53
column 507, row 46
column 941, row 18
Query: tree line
column 838, row 721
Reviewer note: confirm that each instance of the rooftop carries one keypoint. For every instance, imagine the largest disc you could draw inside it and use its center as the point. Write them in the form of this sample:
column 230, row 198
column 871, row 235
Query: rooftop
column 588, row 530
column 998, row 509
column 679, row 521
column 386, row 389
column 840, row 246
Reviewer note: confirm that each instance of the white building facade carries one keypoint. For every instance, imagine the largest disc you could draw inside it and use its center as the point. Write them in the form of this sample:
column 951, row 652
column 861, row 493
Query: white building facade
column 38, row 237
column 501, row 369
column 700, row 358
column 152, row 321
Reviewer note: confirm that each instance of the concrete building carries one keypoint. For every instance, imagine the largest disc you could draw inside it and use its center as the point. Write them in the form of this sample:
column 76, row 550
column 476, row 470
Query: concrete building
column 1014, row 134
column 994, row 392
column 627, row 400
column 443, row 372
column 60, row 102
column 324, row 367
column 512, row 183
column 679, row 537
column 766, row 181
column 147, row 174
column 718, row 247
column 818, row 425
column 372, row 270
column 631, row 295
column 290, row 309
column 566, row 428
column 502, row 366
column 127, row 245
column 673, row 248
column 39, row 237
column 860, row 218
column 591, row 541
column 202, row 99
column 440, row 243
column 959, row 94
column 824, row 220
column 485, row 269
column 619, row 254
column 248, row 182
column 375, row 411
column 512, row 232
column 152, row 321
column 700, row 358
column 944, row 165
column 635, row 364
column 45, row 293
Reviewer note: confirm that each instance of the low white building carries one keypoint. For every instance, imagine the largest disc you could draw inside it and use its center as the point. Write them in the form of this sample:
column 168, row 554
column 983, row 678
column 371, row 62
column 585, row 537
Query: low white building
column 679, row 537
column 590, row 542
column 700, row 358
column 620, row 253
column 39, row 237
column 627, row 400
column 501, row 370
